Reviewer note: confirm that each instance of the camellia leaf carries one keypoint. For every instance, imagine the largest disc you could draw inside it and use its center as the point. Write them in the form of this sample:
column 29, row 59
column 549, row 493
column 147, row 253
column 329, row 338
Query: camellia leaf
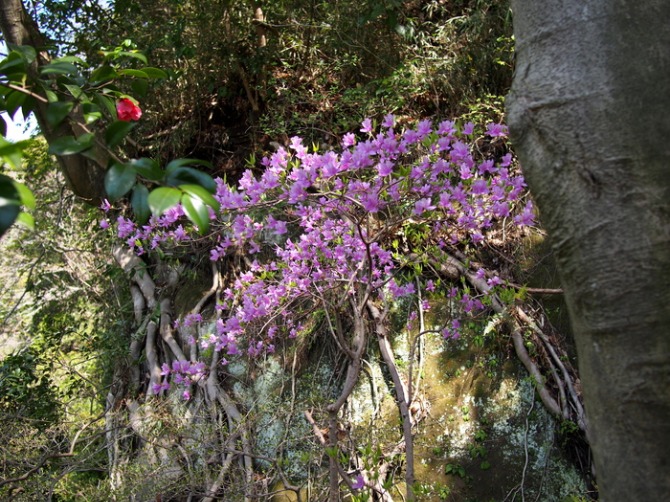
column 91, row 112
column 140, row 202
column 74, row 90
column 13, row 101
column 69, row 145
column 10, row 204
column 130, row 72
column 26, row 220
column 154, row 72
column 52, row 97
column 117, row 131
column 13, row 65
column 147, row 168
column 103, row 74
column 186, row 162
column 105, row 102
column 196, row 211
column 201, row 193
column 12, row 153
column 140, row 87
column 188, row 175
column 119, row 179
column 163, row 198
column 27, row 52
column 130, row 54
column 72, row 59
column 59, row 68
column 25, row 195
column 56, row 112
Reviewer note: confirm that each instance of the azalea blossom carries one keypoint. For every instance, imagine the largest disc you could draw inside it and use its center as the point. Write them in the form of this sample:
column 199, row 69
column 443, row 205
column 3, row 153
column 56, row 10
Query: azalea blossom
column 127, row 110
column 359, row 482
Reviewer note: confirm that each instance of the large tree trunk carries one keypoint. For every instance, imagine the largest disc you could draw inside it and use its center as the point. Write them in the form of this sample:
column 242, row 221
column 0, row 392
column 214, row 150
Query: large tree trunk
column 84, row 177
column 589, row 114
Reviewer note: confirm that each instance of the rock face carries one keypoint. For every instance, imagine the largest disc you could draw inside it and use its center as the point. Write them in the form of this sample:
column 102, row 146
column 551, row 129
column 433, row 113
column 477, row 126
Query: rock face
column 480, row 433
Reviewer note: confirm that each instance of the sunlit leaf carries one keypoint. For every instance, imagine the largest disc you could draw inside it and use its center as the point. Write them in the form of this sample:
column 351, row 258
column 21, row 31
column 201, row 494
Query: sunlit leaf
column 25, row 195
column 27, row 220
column 11, row 153
column 163, row 198
column 196, row 211
column 201, row 193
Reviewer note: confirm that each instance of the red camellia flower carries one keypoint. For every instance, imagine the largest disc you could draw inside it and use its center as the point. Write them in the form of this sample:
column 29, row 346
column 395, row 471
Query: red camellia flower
column 127, row 110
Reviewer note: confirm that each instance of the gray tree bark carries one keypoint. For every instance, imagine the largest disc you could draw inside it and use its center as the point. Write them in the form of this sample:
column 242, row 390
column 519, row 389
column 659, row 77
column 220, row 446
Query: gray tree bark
column 589, row 114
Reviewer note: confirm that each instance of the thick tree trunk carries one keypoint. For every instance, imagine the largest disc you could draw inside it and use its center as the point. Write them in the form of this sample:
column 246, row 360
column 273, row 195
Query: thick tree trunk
column 84, row 177
column 589, row 115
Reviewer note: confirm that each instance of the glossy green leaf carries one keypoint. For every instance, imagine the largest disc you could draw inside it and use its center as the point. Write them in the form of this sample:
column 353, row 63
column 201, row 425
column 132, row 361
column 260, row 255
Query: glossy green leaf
column 13, row 101
column 116, row 131
column 56, row 112
column 27, row 52
column 140, row 202
column 11, row 153
column 119, row 179
column 105, row 102
column 13, row 64
column 59, row 68
column 72, row 59
column 140, row 87
column 27, row 220
column 52, row 97
column 196, row 211
column 201, row 193
column 69, row 145
column 154, row 72
column 147, row 168
column 25, row 195
column 130, row 54
column 74, row 90
column 130, row 72
column 171, row 166
column 188, row 175
column 103, row 74
column 9, row 203
column 163, row 198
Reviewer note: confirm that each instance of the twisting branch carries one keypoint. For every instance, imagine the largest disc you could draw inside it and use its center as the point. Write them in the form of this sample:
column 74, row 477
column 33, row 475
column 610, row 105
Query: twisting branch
column 517, row 338
column 401, row 394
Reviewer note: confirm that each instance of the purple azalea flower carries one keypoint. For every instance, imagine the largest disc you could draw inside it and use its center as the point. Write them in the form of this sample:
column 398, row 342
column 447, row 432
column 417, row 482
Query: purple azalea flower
column 359, row 482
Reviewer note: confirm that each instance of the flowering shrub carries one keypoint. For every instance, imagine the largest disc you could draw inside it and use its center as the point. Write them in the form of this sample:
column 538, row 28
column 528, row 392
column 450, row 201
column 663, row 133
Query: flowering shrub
column 323, row 229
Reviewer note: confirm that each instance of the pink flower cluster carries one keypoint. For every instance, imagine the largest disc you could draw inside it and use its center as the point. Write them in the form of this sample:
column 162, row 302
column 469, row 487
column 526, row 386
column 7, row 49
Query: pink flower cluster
column 319, row 227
